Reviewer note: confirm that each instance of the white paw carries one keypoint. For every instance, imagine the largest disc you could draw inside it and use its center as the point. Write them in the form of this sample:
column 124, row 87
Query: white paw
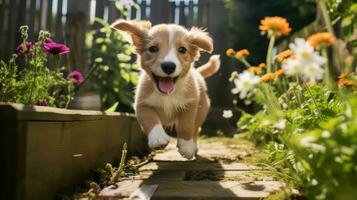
column 158, row 137
column 187, row 148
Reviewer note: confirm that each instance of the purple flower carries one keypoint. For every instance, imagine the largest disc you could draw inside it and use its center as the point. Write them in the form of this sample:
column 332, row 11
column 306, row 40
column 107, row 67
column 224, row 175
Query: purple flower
column 41, row 103
column 55, row 48
column 20, row 51
column 76, row 76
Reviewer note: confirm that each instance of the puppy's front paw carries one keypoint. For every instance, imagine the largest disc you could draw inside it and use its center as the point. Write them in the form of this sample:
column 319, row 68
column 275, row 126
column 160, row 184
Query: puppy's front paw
column 187, row 148
column 158, row 137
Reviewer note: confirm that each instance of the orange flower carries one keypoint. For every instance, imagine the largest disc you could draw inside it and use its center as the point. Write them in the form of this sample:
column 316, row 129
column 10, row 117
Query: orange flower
column 279, row 73
column 272, row 76
column 230, row 52
column 275, row 26
column 262, row 65
column 243, row 52
column 321, row 40
column 343, row 82
column 284, row 55
column 268, row 77
column 257, row 69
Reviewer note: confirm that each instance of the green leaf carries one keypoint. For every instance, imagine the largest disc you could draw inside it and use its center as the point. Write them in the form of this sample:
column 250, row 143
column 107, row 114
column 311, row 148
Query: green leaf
column 113, row 107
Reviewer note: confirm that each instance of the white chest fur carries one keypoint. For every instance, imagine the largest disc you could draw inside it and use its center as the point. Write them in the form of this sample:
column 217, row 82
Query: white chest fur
column 168, row 106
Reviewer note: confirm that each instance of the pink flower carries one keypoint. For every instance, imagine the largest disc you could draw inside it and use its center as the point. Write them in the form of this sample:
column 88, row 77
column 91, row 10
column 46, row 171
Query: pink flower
column 55, row 48
column 41, row 103
column 76, row 76
column 20, row 51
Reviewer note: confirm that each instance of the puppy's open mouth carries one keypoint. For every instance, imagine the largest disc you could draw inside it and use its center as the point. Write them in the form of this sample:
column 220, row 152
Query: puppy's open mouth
column 165, row 84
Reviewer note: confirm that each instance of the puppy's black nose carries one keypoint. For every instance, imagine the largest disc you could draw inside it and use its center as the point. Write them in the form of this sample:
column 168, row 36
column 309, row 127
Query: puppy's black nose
column 168, row 67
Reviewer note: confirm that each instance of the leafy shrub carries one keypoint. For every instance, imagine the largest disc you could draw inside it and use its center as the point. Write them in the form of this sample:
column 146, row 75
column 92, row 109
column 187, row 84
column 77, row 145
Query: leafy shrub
column 115, row 74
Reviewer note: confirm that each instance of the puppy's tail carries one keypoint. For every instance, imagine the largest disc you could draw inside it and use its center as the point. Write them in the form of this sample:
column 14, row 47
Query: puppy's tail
column 211, row 67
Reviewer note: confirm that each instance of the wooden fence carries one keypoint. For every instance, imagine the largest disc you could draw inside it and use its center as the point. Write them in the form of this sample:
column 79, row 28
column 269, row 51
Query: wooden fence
column 68, row 20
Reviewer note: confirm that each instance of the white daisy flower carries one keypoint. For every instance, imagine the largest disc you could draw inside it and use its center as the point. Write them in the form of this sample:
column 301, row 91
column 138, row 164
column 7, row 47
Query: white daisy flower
column 227, row 114
column 292, row 67
column 245, row 83
column 313, row 72
column 306, row 62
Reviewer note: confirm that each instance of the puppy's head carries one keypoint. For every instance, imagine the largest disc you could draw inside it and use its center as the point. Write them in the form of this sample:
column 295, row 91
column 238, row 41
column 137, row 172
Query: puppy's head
column 166, row 51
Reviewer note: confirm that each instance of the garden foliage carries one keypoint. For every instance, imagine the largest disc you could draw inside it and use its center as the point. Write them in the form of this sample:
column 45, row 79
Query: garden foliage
column 116, row 73
column 30, row 78
column 308, row 121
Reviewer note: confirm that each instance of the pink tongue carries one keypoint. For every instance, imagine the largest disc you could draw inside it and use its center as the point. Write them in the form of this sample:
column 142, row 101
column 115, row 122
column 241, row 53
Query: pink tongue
column 166, row 85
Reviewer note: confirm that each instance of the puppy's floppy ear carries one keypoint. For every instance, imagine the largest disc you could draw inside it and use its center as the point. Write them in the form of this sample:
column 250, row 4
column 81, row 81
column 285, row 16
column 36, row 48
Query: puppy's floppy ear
column 138, row 30
column 201, row 39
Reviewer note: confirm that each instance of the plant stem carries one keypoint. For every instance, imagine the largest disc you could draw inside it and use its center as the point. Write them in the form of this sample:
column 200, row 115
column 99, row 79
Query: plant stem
column 245, row 62
column 269, row 54
column 121, row 165
column 312, row 97
column 326, row 16
column 327, row 75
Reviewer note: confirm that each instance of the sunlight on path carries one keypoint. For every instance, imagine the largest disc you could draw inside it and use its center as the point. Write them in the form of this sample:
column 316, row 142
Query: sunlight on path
column 220, row 171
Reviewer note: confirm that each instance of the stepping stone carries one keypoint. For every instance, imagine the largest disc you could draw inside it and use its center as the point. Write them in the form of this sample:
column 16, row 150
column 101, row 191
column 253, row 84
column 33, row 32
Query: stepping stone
column 181, row 166
column 120, row 189
column 195, row 189
column 216, row 190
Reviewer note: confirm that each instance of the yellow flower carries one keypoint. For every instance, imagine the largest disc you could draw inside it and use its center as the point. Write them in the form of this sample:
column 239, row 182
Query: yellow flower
column 243, row 52
column 284, row 55
column 321, row 40
column 230, row 52
column 275, row 26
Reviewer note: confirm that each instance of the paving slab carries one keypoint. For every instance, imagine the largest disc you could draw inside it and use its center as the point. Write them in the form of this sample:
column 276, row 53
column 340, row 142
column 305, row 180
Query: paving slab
column 216, row 190
column 181, row 166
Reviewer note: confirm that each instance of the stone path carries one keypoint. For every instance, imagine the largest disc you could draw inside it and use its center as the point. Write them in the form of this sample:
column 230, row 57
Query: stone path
column 219, row 172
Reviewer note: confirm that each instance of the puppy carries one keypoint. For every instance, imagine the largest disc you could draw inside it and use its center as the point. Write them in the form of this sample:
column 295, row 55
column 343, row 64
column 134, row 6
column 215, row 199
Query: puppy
column 170, row 91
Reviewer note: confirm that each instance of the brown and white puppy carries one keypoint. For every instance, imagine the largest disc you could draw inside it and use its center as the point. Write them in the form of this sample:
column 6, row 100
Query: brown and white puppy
column 170, row 90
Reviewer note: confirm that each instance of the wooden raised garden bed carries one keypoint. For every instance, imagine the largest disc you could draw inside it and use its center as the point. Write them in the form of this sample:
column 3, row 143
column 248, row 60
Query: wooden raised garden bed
column 47, row 151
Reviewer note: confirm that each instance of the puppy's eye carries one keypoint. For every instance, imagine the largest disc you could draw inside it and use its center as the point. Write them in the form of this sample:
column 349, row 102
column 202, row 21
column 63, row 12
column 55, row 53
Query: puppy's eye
column 182, row 50
column 153, row 49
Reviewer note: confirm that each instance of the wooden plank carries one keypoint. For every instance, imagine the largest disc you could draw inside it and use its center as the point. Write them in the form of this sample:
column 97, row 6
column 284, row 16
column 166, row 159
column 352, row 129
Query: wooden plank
column 12, row 157
column 113, row 13
column 44, row 14
column 32, row 16
column 171, row 12
column 157, row 15
column 99, row 12
column 190, row 17
column 76, row 28
column 182, row 17
column 20, row 111
column 12, row 29
column 58, row 33
column 143, row 10
column 2, row 29
column 49, row 15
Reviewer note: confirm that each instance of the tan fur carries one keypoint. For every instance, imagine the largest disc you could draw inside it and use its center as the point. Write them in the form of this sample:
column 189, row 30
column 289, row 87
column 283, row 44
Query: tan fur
column 187, row 106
